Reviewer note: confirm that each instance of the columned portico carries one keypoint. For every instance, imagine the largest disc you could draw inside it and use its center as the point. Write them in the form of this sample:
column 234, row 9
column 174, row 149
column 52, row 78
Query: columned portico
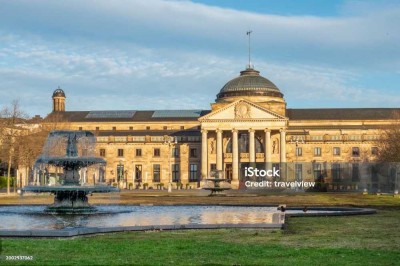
column 230, row 125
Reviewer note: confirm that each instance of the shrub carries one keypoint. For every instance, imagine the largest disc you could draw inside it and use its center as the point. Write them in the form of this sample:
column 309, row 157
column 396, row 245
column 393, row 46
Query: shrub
column 3, row 181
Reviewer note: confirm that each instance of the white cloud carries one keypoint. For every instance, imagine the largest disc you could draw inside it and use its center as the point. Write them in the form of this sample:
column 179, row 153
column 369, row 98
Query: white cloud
column 178, row 54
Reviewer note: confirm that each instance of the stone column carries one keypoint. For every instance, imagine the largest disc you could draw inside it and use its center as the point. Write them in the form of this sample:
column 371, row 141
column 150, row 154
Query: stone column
column 283, row 145
column 204, row 154
column 235, row 157
column 267, row 148
column 219, row 149
column 252, row 148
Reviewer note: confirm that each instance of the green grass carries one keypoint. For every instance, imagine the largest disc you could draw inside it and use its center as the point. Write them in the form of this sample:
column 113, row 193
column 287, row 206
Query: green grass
column 351, row 240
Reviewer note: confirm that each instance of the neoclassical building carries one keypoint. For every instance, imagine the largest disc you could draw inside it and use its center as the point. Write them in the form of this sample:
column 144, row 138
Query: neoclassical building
column 249, row 124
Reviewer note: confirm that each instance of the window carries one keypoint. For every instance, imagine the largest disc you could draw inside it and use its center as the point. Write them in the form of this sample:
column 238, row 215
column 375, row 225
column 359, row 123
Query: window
column 213, row 167
column 120, row 152
column 336, row 172
column 97, row 128
column 317, row 137
column 120, row 172
column 80, row 128
column 193, row 152
column 165, row 127
column 317, row 151
column 130, row 128
column 114, row 128
column 148, row 128
column 276, row 166
column 138, row 173
column 103, row 152
column 299, row 171
column 355, row 152
column 355, row 177
column 355, row 137
column 318, row 172
column 156, row 152
column 193, row 173
column 182, row 127
column 175, row 152
column 175, row 172
column 374, row 150
column 156, row 173
column 336, row 151
column 299, row 151
column 138, row 152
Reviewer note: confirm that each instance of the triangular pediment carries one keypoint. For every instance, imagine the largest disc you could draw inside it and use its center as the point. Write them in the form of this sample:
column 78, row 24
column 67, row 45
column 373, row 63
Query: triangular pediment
column 242, row 110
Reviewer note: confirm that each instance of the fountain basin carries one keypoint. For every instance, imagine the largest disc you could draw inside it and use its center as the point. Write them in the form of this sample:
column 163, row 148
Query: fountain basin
column 31, row 221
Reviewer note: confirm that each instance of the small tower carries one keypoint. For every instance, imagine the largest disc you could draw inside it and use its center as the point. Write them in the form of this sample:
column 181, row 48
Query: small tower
column 58, row 100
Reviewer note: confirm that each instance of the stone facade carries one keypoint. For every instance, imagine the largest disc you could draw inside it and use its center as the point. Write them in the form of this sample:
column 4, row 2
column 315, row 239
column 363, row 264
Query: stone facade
column 247, row 125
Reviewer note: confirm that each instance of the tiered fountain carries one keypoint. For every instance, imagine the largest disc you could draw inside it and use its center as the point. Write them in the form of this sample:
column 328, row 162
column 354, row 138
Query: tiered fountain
column 69, row 155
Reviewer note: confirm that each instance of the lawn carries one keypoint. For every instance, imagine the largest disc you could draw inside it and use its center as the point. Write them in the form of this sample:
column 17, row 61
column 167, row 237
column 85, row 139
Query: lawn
column 351, row 240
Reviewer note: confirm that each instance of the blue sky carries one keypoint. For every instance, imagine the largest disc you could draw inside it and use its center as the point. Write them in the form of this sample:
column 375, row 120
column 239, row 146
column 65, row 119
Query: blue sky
column 154, row 54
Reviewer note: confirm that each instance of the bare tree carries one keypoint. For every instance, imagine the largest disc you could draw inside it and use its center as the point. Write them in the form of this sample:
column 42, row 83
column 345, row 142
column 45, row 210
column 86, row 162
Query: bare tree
column 389, row 146
column 11, row 120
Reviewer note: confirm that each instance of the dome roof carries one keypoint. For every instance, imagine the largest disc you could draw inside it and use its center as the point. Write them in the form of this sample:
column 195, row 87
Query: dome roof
column 249, row 83
column 59, row 93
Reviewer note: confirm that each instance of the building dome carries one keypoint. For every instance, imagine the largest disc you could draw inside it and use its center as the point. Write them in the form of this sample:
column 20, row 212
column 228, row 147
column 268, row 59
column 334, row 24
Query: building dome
column 59, row 93
column 249, row 83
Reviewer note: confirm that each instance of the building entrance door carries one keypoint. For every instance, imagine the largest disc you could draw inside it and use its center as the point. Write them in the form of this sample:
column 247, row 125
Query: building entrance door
column 228, row 171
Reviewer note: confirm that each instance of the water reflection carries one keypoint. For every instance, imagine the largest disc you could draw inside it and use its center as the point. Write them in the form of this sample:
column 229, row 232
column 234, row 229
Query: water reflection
column 33, row 217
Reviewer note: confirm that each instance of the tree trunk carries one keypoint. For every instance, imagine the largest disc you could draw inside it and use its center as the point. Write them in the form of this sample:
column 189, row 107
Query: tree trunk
column 8, row 173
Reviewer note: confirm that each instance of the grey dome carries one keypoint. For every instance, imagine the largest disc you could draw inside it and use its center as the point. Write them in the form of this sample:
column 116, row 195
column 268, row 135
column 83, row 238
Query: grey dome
column 249, row 83
column 59, row 93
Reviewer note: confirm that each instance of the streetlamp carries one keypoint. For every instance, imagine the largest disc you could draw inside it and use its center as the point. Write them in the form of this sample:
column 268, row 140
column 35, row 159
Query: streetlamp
column 170, row 141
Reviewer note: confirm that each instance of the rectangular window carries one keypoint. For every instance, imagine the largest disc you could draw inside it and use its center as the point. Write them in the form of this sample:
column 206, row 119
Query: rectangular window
column 336, row 151
column 156, row 173
column 193, row 173
column 175, row 172
column 165, row 127
column 318, row 172
column 355, row 177
column 148, row 128
column 299, row 171
column 120, row 152
column 156, row 152
column 336, row 172
column 130, row 128
column 193, row 153
column 97, row 128
column 213, row 167
column 114, row 128
column 120, row 172
column 355, row 152
column 103, row 152
column 317, row 138
column 299, row 151
column 182, row 127
column 317, row 151
column 138, row 173
column 80, row 128
column 374, row 150
column 175, row 152
column 138, row 152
